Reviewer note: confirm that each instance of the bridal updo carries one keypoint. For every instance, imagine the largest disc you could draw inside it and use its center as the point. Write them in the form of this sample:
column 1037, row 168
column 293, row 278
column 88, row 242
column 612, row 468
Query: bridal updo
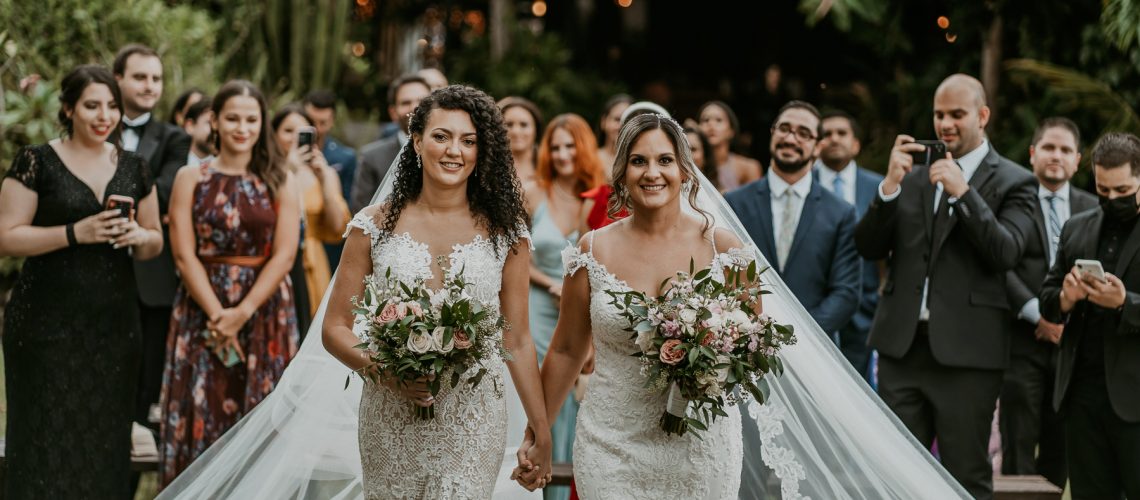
column 631, row 130
column 494, row 193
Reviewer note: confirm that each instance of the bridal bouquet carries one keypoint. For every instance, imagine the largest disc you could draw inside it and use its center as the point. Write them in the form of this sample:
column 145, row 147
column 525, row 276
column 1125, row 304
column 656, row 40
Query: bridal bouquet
column 412, row 331
column 702, row 339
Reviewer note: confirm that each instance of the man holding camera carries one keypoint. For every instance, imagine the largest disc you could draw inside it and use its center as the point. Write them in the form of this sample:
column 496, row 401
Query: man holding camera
column 950, row 225
column 1090, row 290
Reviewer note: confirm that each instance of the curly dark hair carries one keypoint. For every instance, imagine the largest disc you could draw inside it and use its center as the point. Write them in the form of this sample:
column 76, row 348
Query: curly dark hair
column 494, row 193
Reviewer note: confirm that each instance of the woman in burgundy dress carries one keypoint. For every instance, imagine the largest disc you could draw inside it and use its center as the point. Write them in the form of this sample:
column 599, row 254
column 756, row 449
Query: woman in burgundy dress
column 234, row 233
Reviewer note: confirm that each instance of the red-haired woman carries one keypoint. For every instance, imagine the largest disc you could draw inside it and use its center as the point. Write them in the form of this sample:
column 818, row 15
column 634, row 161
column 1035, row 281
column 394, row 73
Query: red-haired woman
column 567, row 166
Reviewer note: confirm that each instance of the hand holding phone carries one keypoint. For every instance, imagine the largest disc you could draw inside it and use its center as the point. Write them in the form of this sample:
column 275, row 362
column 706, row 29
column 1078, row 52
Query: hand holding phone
column 124, row 204
column 306, row 136
column 932, row 152
column 1090, row 270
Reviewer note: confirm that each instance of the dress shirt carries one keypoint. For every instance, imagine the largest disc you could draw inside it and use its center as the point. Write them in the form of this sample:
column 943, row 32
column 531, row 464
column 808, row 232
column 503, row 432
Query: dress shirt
column 129, row 136
column 779, row 189
column 192, row 159
column 1031, row 310
column 827, row 179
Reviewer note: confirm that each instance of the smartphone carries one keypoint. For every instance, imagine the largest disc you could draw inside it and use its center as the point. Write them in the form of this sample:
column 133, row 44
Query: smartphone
column 124, row 204
column 306, row 136
column 933, row 152
column 1092, row 268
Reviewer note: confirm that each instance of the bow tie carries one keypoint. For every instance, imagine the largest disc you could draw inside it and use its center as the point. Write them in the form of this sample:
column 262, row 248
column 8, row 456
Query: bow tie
column 138, row 129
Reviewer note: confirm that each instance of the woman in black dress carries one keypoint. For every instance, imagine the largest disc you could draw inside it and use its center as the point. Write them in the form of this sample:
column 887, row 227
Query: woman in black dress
column 71, row 332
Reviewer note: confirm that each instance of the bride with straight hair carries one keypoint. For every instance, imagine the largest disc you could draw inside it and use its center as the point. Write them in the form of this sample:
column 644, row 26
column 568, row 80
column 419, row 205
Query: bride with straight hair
column 821, row 433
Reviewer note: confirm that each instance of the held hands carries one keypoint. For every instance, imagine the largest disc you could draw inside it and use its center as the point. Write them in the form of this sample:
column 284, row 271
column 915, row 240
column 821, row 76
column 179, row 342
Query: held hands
column 901, row 162
column 1049, row 332
column 534, row 458
column 950, row 175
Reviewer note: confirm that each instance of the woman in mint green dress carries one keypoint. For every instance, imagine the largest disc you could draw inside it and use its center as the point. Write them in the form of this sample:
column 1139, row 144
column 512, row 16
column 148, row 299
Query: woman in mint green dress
column 568, row 165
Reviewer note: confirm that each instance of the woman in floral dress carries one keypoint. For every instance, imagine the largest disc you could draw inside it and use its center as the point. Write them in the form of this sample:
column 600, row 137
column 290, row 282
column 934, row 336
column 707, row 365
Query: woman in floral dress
column 236, row 300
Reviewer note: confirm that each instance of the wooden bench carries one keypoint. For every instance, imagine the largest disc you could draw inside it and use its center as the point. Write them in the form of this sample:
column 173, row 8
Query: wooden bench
column 1025, row 488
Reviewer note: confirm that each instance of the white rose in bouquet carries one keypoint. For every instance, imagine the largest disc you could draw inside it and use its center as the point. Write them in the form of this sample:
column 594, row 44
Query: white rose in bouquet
column 687, row 316
column 645, row 341
column 437, row 344
column 419, row 343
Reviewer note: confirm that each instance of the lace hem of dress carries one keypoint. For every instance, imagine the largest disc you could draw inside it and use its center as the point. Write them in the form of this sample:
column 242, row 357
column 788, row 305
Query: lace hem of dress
column 769, row 419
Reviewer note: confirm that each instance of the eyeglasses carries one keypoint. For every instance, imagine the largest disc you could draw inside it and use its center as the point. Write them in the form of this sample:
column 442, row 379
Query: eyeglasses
column 803, row 134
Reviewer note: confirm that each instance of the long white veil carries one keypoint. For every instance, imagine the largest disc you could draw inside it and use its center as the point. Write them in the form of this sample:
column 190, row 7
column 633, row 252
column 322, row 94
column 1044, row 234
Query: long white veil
column 823, row 434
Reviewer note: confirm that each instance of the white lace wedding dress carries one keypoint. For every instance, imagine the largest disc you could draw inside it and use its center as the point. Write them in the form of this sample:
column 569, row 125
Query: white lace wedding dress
column 620, row 451
column 457, row 454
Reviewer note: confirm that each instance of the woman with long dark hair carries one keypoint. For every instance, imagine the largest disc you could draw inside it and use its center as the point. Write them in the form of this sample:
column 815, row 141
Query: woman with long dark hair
column 524, row 126
column 455, row 197
column 720, row 126
column 608, row 126
column 234, row 224
column 71, row 332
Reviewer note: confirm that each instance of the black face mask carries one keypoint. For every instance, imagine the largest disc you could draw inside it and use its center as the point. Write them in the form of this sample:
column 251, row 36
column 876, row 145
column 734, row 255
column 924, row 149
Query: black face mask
column 1123, row 208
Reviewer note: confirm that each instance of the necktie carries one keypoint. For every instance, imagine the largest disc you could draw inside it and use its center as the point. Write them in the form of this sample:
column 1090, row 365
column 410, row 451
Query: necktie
column 787, row 227
column 837, row 188
column 1053, row 219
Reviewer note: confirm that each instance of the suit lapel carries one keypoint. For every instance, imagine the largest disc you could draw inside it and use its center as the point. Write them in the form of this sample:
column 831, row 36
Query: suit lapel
column 927, row 203
column 1093, row 236
column 148, row 143
column 981, row 175
column 1039, row 221
column 807, row 218
column 864, row 191
column 763, row 209
column 1129, row 251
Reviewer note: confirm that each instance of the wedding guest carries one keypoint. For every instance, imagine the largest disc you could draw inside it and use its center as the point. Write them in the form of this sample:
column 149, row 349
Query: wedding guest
column 839, row 173
column 234, row 226
column 524, row 125
column 567, row 166
column 950, row 230
column 434, row 77
column 1032, row 433
column 721, row 127
column 182, row 104
column 608, row 126
column 324, row 211
column 1099, row 363
column 702, row 153
column 71, row 329
column 165, row 147
column 320, row 105
column 196, row 123
column 404, row 94
column 595, row 209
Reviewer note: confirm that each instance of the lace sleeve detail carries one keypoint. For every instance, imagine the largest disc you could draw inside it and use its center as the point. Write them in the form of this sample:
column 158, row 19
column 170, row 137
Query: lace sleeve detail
column 522, row 233
column 363, row 222
column 25, row 168
column 572, row 260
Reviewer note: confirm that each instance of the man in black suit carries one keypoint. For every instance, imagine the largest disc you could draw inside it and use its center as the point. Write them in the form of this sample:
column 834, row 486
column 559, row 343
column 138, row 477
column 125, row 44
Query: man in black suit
column 1026, row 417
column 804, row 230
column 404, row 94
column 1098, row 370
column 138, row 70
column 950, row 230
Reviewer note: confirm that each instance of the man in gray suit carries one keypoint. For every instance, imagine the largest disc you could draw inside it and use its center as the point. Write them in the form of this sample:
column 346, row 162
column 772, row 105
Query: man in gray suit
column 950, row 230
column 1032, row 434
column 404, row 94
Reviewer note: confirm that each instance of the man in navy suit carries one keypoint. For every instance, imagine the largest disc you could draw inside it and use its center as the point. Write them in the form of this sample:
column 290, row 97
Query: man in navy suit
column 838, row 173
column 806, row 232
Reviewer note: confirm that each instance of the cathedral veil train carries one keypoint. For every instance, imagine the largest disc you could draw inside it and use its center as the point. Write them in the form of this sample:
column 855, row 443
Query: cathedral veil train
column 822, row 434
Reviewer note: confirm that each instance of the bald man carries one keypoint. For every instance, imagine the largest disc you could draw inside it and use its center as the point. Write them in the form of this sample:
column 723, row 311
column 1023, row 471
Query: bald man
column 949, row 230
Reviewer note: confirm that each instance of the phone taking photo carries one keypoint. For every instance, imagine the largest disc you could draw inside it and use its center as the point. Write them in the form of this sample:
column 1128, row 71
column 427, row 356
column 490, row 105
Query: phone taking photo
column 1091, row 268
column 124, row 204
column 306, row 136
column 934, row 151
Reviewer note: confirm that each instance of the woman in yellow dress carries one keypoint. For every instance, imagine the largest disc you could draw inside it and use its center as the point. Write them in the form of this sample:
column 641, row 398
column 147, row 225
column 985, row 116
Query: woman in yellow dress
column 325, row 212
